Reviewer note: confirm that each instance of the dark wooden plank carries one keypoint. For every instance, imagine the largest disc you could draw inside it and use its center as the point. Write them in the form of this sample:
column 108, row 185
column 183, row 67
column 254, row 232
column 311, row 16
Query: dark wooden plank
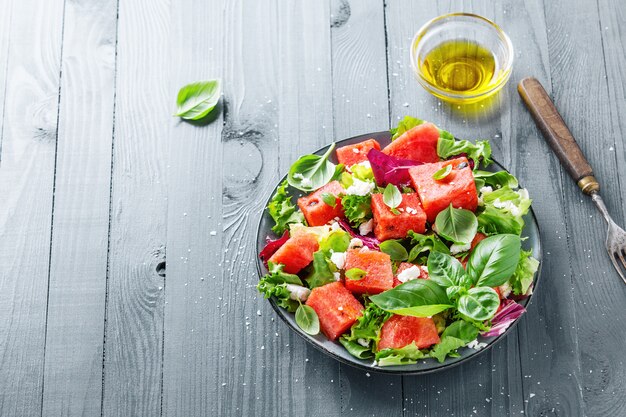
column 360, row 105
column 31, row 75
column 194, row 314
column 589, row 100
column 135, row 299
column 78, row 263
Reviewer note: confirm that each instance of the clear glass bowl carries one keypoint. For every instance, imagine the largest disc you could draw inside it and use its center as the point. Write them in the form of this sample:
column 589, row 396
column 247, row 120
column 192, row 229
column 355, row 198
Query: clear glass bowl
column 463, row 27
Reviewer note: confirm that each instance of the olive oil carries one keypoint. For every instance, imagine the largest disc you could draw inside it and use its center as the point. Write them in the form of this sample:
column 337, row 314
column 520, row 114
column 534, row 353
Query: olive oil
column 460, row 67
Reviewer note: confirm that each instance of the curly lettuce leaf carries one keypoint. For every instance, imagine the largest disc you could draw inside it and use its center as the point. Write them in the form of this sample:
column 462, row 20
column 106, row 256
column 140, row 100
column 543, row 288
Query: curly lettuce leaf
column 357, row 209
column 408, row 123
column 321, row 271
column 478, row 152
column 282, row 210
column 403, row 356
column 273, row 284
column 504, row 209
column 366, row 331
column 524, row 273
column 456, row 335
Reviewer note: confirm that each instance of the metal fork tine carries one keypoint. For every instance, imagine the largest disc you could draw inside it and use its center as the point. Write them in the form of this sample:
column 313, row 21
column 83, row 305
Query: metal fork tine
column 620, row 271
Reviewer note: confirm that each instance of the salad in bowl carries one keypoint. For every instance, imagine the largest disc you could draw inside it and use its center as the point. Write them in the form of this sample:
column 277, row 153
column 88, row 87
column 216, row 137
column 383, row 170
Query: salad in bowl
column 408, row 252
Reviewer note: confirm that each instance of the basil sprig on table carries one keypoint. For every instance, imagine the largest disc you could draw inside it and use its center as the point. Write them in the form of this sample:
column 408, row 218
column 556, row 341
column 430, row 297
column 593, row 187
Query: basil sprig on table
column 198, row 99
column 491, row 263
column 456, row 225
column 311, row 172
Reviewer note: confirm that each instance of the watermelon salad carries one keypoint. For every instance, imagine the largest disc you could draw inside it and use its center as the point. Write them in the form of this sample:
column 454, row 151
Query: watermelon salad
column 402, row 253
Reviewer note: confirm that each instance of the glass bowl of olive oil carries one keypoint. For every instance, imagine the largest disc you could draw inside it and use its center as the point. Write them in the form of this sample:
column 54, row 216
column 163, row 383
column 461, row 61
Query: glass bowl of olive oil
column 462, row 58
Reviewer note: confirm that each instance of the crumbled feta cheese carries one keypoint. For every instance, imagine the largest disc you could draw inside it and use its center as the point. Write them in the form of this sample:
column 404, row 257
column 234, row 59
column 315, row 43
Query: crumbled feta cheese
column 337, row 276
column 355, row 243
column 339, row 259
column 340, row 308
column 363, row 342
column 476, row 345
column 424, row 268
column 335, row 226
column 306, row 182
column 365, row 164
column 456, row 248
column 361, row 188
column 411, row 210
column 355, row 150
column 298, row 176
column 409, row 274
column 508, row 205
column 367, row 227
column 298, row 292
column 523, row 193
column 486, row 190
column 505, row 289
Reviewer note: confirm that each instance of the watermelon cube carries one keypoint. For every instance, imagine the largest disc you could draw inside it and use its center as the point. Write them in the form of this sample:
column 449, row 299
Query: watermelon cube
column 417, row 144
column 336, row 308
column 388, row 225
column 377, row 266
column 400, row 331
column 403, row 267
column 479, row 237
column 457, row 188
column 297, row 251
column 353, row 154
column 316, row 211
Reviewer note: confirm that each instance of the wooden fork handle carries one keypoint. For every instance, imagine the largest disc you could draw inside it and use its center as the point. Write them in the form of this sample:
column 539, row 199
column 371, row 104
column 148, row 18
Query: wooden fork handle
column 557, row 134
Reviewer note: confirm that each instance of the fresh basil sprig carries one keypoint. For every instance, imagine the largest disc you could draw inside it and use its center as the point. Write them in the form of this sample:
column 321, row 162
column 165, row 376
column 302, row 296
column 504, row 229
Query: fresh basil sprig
column 456, row 225
column 394, row 249
column 196, row 100
column 311, row 172
column 418, row 297
column 355, row 274
column 443, row 172
column 307, row 319
column 493, row 260
column 392, row 197
column 446, row 270
column 329, row 199
column 479, row 303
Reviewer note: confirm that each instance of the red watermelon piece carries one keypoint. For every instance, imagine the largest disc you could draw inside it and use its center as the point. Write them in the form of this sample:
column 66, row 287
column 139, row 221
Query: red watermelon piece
column 353, row 154
column 399, row 331
column 479, row 237
column 316, row 211
column 377, row 265
column 457, row 188
column 297, row 251
column 388, row 225
column 336, row 308
column 417, row 144
column 403, row 267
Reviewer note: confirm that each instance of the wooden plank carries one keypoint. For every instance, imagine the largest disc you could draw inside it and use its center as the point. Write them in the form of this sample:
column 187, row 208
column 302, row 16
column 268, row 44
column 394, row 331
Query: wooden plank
column 135, row 300
column 194, row 315
column 360, row 105
column 590, row 99
column 29, row 129
column 78, row 264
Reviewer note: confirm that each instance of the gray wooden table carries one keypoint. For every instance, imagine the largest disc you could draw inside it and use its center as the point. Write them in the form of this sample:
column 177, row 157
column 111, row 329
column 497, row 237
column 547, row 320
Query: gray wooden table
column 99, row 184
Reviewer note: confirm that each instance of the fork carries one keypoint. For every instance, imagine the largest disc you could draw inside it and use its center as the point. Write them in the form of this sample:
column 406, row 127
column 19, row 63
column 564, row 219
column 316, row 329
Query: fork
column 564, row 145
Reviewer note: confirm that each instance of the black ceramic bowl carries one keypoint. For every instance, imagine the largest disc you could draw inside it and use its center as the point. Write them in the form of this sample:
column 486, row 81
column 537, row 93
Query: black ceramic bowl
column 337, row 351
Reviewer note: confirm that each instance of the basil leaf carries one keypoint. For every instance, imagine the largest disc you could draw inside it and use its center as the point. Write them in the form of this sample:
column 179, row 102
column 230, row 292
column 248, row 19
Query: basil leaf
column 355, row 349
column 329, row 199
column 394, row 249
column 392, row 197
column 479, row 303
column 493, row 261
column 405, row 124
column 443, row 172
column 307, row 320
column 456, row 225
column 496, row 179
column 357, row 208
column 355, row 274
column 456, row 335
column 311, row 172
column 418, row 297
column 196, row 100
column 446, row 270
column 282, row 210
column 320, row 272
column 406, row 355
column 336, row 241
column 425, row 243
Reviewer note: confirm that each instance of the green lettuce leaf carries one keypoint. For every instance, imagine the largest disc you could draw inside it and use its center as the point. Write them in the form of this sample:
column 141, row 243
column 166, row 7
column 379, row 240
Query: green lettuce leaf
column 367, row 328
column 456, row 335
column 282, row 210
column 320, row 272
column 273, row 284
column 479, row 152
column 408, row 123
column 524, row 273
column 423, row 244
column 402, row 356
column 358, row 209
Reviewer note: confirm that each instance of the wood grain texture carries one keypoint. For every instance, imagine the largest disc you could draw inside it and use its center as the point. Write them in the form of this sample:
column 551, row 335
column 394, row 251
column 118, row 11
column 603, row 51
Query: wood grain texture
column 29, row 131
column 360, row 105
column 133, row 347
column 194, row 316
column 78, row 262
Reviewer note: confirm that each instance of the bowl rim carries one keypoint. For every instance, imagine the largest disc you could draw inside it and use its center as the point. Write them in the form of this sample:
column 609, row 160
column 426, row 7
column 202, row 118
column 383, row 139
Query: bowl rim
column 500, row 81
column 392, row 370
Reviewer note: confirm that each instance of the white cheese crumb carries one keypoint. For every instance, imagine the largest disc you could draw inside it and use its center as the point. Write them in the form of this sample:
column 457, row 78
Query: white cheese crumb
column 339, row 259
column 456, row 248
column 505, row 289
column 523, row 193
column 355, row 150
column 360, row 188
column 355, row 243
column 409, row 274
column 365, row 164
column 340, row 308
column 363, row 342
column 335, row 226
column 337, row 276
column 476, row 345
column 367, row 227
column 411, row 210
column 298, row 292
column 306, row 182
column 486, row 190
column 424, row 268
column 507, row 205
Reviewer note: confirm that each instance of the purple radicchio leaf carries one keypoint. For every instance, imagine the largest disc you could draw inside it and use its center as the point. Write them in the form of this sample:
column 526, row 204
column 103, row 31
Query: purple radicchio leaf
column 272, row 246
column 509, row 312
column 388, row 169
column 370, row 242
